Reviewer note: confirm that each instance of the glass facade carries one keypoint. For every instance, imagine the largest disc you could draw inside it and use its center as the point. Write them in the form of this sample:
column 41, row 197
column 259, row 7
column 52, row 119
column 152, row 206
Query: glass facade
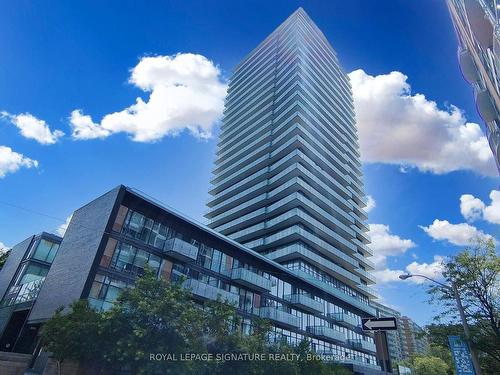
column 32, row 270
column 141, row 240
column 287, row 180
column 477, row 26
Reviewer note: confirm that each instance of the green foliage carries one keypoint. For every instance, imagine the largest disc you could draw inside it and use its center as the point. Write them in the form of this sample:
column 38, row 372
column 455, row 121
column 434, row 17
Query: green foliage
column 476, row 273
column 4, row 254
column 429, row 365
column 160, row 317
column 75, row 335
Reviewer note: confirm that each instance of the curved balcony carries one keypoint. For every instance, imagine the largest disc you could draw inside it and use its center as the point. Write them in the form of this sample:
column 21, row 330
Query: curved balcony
column 485, row 106
column 467, row 66
column 480, row 25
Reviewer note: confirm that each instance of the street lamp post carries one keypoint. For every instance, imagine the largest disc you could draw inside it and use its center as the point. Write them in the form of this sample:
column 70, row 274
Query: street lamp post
column 453, row 288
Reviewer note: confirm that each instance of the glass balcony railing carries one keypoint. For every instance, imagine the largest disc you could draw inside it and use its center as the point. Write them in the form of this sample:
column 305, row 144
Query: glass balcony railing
column 251, row 279
column 180, row 249
column 279, row 316
column 304, row 302
column 327, row 333
column 23, row 293
column 363, row 344
column 205, row 291
column 336, row 292
column 344, row 318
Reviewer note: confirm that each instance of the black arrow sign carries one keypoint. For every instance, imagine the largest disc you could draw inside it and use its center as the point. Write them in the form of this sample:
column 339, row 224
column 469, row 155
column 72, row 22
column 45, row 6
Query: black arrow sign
column 379, row 324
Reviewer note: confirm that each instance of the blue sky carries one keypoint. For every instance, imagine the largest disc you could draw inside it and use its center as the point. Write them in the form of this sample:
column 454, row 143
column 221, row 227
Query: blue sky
column 58, row 57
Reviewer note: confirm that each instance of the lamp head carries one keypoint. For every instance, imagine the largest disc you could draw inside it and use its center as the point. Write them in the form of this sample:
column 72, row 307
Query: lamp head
column 404, row 277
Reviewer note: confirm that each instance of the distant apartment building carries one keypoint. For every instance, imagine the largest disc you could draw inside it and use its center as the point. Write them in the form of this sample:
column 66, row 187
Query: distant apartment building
column 394, row 338
column 478, row 30
column 414, row 339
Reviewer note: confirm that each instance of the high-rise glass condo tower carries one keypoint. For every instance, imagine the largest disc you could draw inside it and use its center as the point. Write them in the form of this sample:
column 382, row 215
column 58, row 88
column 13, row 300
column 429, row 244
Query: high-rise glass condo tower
column 477, row 24
column 287, row 179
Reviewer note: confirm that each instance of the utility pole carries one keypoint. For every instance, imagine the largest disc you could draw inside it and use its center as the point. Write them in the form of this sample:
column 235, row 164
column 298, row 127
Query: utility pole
column 453, row 289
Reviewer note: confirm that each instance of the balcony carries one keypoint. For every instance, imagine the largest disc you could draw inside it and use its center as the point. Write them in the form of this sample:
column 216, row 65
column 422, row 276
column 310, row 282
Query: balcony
column 485, row 106
column 479, row 23
column 335, row 292
column 251, row 279
column 23, row 293
column 468, row 67
column 305, row 303
column 279, row 316
column 180, row 249
column 326, row 333
column 363, row 344
column 205, row 291
column 344, row 318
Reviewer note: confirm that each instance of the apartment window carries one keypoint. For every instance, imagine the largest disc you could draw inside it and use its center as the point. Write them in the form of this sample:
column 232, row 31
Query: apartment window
column 104, row 291
column 128, row 258
column 31, row 272
column 43, row 250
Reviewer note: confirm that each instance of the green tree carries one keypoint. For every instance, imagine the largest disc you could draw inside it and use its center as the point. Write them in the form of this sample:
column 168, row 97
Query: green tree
column 160, row 317
column 75, row 335
column 428, row 365
column 4, row 254
column 475, row 271
column 153, row 317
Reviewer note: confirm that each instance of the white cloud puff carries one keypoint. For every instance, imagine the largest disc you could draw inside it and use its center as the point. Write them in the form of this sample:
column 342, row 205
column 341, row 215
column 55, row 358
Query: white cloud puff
column 61, row 229
column 370, row 204
column 33, row 128
column 473, row 208
column 384, row 244
column 11, row 161
column 398, row 127
column 433, row 270
column 186, row 92
column 457, row 234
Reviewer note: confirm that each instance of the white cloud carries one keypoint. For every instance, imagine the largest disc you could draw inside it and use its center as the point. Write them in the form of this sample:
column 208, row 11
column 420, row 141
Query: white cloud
column 3, row 247
column 458, row 234
column 471, row 207
column 186, row 92
column 84, row 128
column 370, row 204
column 11, row 161
column 33, row 128
column 398, row 127
column 61, row 229
column 432, row 270
column 491, row 213
column 384, row 244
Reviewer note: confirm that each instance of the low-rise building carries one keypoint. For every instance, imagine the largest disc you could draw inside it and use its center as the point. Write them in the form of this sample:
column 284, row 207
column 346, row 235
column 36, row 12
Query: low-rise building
column 110, row 240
